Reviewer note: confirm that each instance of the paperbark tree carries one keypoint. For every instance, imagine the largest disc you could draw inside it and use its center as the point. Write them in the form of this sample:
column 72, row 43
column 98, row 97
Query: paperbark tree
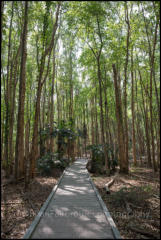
column 133, row 111
column 41, row 80
column 8, row 94
column 123, row 161
column 125, row 81
column 19, row 150
column 97, row 55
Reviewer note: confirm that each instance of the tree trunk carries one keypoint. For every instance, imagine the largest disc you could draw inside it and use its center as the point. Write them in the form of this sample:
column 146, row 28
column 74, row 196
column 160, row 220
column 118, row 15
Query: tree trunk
column 52, row 103
column 84, row 130
column 106, row 109
column 96, row 120
column 13, row 85
column 19, row 150
column 151, row 100
column 71, row 119
column 152, row 73
column 123, row 161
column 27, row 167
column 92, row 120
column 8, row 97
column 2, row 10
column 125, row 82
column 133, row 112
column 34, row 150
column 146, row 125
column 101, row 117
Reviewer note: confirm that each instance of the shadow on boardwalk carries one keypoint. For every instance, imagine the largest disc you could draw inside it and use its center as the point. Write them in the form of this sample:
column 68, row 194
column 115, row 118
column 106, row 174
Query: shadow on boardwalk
column 73, row 210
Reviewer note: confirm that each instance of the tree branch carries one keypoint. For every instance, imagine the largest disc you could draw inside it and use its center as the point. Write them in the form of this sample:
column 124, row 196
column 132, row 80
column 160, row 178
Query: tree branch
column 49, row 48
column 100, row 36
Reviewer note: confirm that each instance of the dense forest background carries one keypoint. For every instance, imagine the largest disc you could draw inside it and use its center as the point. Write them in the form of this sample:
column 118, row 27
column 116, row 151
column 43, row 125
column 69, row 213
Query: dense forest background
column 78, row 78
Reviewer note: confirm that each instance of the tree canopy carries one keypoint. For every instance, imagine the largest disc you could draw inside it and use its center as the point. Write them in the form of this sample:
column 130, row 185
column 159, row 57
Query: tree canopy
column 90, row 65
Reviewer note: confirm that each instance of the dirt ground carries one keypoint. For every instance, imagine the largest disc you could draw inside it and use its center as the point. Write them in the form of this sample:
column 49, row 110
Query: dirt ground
column 19, row 208
column 133, row 202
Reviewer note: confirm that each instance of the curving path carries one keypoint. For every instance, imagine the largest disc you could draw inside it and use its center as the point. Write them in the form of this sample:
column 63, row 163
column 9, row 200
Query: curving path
column 74, row 210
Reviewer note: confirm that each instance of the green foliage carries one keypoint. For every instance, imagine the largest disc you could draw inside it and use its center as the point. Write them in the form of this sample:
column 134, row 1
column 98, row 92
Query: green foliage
column 45, row 164
column 66, row 133
column 63, row 131
column 49, row 161
column 44, row 133
column 112, row 156
column 98, row 158
column 80, row 133
column 76, row 80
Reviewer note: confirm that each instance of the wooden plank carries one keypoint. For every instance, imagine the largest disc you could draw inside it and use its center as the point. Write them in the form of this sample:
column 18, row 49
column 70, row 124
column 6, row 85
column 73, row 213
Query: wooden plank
column 106, row 212
column 74, row 210
column 40, row 213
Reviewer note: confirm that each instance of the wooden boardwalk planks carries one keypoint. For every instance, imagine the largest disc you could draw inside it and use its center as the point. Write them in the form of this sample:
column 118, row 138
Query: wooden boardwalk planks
column 74, row 210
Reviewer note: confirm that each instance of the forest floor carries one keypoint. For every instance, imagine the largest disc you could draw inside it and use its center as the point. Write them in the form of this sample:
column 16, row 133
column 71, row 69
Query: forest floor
column 19, row 208
column 133, row 202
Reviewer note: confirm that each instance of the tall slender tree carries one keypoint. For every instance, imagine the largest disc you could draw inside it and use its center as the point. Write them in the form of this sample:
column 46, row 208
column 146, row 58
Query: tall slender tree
column 19, row 151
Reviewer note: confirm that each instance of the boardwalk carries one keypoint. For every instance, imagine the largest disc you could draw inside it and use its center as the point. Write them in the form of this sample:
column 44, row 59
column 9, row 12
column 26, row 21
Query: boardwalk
column 75, row 210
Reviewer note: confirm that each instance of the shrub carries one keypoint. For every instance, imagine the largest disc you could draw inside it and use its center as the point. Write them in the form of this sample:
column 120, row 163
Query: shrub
column 98, row 158
column 45, row 164
column 49, row 161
